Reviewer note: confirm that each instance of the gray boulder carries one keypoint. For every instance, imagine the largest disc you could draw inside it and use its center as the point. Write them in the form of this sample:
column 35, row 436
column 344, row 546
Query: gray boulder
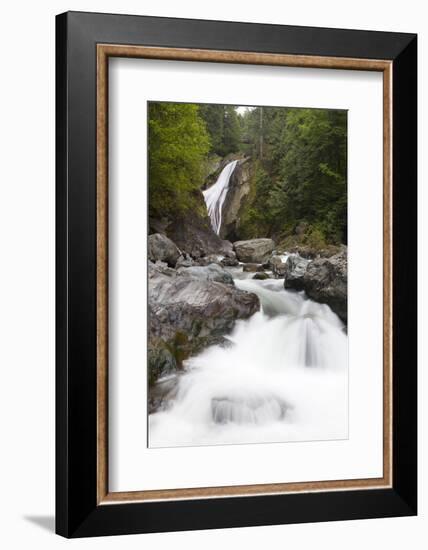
column 210, row 259
column 254, row 250
column 294, row 272
column 163, row 249
column 311, row 253
column 261, row 276
column 252, row 268
column 229, row 261
column 184, row 261
column 162, row 393
column 212, row 272
column 192, row 233
column 326, row 281
column 278, row 266
column 155, row 268
column 188, row 313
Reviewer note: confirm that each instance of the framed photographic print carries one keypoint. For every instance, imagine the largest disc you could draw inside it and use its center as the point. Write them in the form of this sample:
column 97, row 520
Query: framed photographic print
column 236, row 274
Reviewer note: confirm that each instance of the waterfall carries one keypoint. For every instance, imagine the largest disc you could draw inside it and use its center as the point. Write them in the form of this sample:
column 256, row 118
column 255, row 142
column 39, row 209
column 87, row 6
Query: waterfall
column 216, row 194
column 282, row 377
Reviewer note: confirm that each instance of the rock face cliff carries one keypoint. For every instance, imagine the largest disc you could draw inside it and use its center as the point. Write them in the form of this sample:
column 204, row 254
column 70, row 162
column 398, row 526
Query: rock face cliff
column 160, row 248
column 192, row 232
column 190, row 309
column 239, row 188
column 324, row 280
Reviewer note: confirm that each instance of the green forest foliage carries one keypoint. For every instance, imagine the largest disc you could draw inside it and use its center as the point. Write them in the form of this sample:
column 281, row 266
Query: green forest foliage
column 178, row 146
column 223, row 125
column 301, row 174
column 299, row 158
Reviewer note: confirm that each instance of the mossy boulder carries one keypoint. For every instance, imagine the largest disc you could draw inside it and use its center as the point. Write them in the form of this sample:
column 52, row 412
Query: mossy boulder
column 261, row 276
column 187, row 314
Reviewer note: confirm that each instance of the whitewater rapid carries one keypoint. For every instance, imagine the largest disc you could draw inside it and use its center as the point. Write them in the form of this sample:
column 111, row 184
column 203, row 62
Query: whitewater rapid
column 216, row 194
column 282, row 377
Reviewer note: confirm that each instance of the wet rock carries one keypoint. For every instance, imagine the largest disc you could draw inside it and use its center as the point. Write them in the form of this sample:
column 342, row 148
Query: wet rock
column 295, row 269
column 210, row 259
column 192, row 232
column 229, row 262
column 160, row 248
column 311, row 253
column 156, row 268
column 254, row 250
column 248, row 410
column 252, row 268
column 212, row 272
column 326, row 281
column 188, row 313
column 277, row 264
column 261, row 276
column 184, row 261
column 162, row 393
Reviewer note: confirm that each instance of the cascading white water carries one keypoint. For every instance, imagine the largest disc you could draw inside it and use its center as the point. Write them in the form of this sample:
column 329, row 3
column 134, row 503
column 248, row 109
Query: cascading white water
column 284, row 377
column 216, row 194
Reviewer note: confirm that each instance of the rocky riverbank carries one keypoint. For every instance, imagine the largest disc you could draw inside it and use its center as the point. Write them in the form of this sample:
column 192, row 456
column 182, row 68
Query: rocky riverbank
column 194, row 303
column 190, row 307
column 324, row 280
column 246, row 335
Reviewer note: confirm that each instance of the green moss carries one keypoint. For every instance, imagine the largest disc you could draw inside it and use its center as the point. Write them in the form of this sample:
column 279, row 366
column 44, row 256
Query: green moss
column 261, row 276
column 315, row 238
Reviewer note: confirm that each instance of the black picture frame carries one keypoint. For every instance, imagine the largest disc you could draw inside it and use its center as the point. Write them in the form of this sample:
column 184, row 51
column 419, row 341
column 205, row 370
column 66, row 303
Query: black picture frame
column 77, row 512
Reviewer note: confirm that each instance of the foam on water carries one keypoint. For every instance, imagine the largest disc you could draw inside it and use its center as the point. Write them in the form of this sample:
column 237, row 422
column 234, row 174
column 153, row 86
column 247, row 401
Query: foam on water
column 284, row 377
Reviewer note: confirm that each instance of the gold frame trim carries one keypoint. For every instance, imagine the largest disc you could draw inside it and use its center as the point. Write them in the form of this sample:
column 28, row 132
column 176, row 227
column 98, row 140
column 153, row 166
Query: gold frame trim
column 104, row 51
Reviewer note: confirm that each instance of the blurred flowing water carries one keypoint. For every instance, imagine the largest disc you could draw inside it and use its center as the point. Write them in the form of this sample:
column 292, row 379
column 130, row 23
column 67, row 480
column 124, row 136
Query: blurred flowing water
column 282, row 377
column 216, row 194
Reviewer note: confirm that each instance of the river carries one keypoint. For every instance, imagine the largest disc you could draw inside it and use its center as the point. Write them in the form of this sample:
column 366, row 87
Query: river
column 282, row 377
column 215, row 195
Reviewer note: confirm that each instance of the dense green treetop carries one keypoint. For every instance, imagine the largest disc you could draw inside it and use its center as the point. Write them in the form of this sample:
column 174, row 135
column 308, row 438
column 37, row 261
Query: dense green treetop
column 299, row 158
column 223, row 125
column 178, row 145
column 301, row 175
